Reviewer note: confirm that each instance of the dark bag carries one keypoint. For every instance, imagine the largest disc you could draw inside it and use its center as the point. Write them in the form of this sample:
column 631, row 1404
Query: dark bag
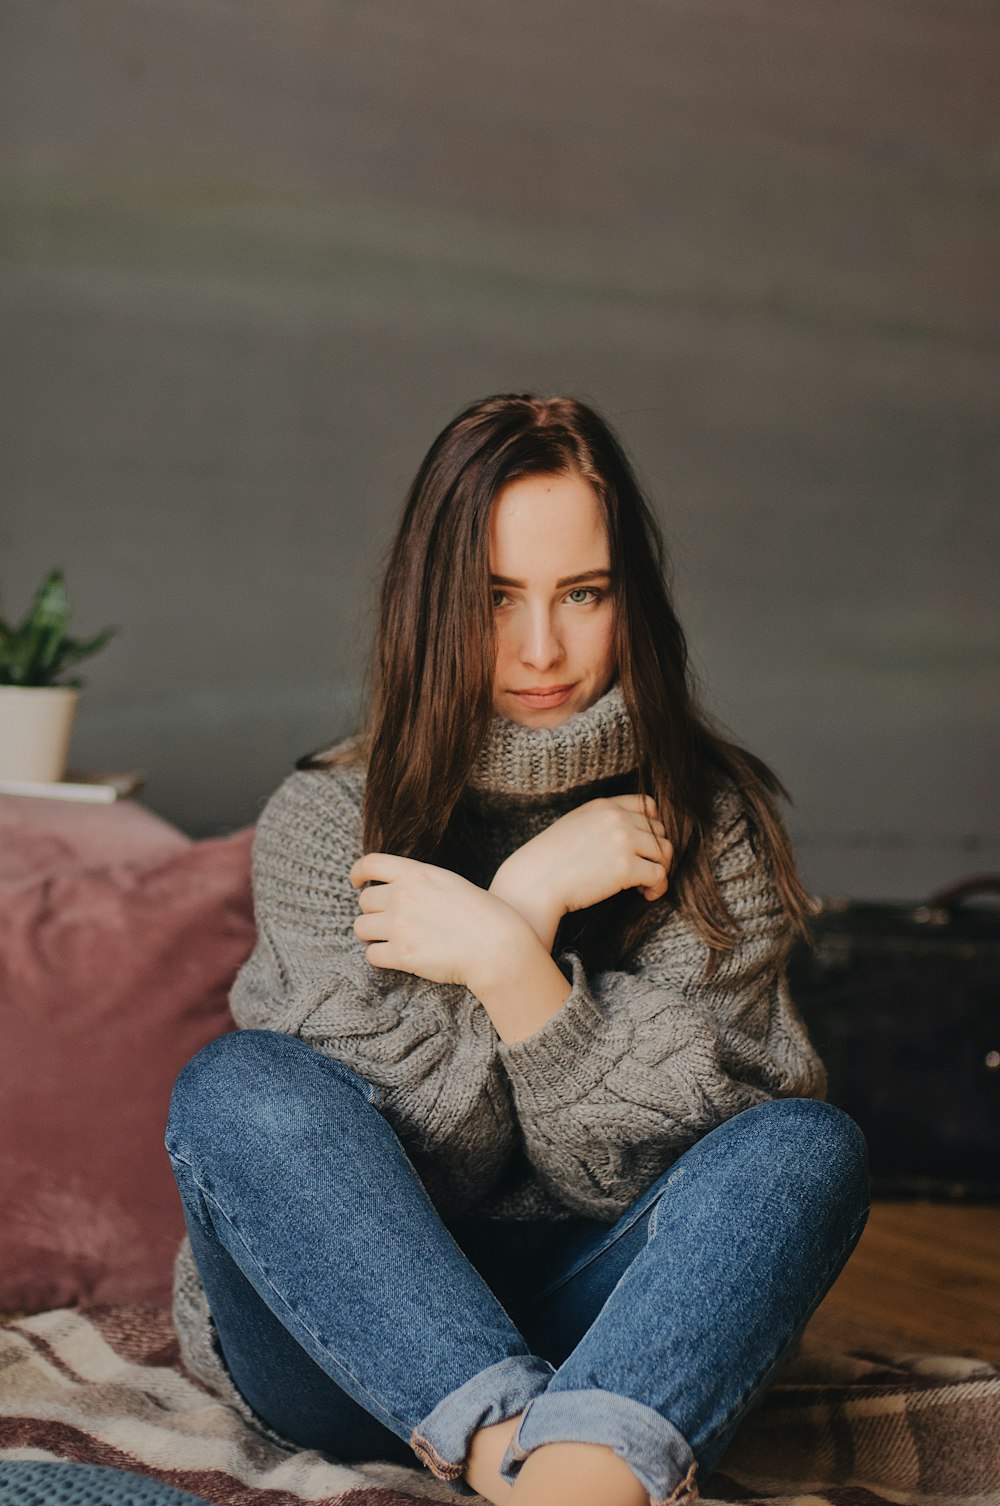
column 903, row 1005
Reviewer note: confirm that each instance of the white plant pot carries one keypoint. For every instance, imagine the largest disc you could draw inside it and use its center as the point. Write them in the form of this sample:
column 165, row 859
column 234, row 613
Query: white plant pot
column 35, row 726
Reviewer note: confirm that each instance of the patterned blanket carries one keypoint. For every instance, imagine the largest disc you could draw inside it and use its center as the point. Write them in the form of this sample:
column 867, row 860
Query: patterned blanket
column 104, row 1386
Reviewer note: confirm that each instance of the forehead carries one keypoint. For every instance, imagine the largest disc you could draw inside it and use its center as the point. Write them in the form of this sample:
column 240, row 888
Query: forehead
column 542, row 521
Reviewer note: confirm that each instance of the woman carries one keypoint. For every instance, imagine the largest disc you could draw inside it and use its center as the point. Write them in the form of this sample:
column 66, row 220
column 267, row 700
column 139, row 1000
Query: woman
column 519, row 1164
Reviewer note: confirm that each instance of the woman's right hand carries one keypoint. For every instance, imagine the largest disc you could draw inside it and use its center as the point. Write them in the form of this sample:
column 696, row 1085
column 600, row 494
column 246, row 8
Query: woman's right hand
column 603, row 846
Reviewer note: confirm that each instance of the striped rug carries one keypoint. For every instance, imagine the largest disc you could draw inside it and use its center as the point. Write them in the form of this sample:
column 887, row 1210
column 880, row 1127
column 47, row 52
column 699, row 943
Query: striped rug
column 104, row 1386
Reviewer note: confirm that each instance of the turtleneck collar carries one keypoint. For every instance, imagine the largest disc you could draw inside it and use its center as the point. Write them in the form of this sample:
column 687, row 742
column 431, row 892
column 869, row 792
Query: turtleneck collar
column 526, row 763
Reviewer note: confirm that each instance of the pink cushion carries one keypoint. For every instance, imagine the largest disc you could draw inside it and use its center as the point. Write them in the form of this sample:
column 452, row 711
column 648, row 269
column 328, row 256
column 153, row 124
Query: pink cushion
column 38, row 835
column 112, row 975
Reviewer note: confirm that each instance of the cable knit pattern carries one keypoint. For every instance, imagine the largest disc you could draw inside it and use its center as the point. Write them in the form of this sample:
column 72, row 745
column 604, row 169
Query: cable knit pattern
column 638, row 1064
column 579, row 1117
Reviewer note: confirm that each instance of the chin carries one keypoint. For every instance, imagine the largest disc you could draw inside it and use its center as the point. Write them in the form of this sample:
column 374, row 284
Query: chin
column 554, row 717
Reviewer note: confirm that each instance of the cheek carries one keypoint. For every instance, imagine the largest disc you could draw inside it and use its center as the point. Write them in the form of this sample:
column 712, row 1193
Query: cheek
column 502, row 638
column 599, row 637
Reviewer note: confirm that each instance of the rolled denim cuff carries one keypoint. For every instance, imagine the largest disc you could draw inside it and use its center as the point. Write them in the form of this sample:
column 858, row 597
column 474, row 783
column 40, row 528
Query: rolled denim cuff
column 650, row 1445
column 441, row 1441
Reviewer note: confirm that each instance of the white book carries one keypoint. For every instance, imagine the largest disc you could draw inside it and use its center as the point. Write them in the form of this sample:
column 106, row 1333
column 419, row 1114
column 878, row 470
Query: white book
column 78, row 785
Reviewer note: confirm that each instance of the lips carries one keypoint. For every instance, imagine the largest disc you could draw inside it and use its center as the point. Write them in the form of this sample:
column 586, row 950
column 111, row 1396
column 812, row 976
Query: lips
column 552, row 695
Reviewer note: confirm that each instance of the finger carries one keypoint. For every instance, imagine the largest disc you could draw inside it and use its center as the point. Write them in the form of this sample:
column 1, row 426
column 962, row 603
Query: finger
column 645, row 823
column 654, row 879
column 657, row 849
column 380, row 954
column 374, row 898
column 641, row 803
column 370, row 928
column 643, row 808
column 381, row 867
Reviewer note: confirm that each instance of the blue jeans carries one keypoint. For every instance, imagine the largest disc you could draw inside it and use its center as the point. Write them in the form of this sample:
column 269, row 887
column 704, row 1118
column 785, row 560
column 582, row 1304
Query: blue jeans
column 355, row 1320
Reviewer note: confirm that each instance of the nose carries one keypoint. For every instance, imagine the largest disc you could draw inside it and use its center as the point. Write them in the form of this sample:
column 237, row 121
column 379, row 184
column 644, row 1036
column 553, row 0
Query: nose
column 540, row 646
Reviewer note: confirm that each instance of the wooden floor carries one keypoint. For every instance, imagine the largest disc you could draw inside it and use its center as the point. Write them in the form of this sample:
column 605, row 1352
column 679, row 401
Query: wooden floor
column 924, row 1277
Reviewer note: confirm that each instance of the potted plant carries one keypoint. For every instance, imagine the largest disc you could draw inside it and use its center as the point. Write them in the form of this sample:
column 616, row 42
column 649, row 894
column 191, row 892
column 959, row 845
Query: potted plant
column 37, row 706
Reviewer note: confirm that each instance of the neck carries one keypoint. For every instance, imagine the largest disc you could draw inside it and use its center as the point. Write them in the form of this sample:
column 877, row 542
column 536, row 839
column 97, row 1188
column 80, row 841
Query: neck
column 524, row 764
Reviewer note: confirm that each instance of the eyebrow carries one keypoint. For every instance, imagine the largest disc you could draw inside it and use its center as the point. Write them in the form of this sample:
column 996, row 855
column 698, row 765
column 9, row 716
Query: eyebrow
column 567, row 580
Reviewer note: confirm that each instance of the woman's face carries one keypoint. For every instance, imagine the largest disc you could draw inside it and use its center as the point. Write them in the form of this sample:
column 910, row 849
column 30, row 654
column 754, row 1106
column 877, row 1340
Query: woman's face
column 554, row 627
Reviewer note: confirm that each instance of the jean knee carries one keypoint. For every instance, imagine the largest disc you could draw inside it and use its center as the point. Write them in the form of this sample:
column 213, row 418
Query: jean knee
column 232, row 1086
column 826, row 1146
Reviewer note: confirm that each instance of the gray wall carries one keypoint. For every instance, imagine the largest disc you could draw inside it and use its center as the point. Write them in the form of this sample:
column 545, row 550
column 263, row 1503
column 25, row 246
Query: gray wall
column 255, row 256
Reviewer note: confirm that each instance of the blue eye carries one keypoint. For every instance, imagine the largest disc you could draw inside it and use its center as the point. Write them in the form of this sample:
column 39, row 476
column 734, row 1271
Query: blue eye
column 592, row 592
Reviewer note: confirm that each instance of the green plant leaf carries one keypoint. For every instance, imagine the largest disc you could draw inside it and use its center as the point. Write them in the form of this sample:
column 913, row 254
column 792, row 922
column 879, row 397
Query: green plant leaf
column 37, row 641
column 48, row 652
column 22, row 655
column 50, row 609
column 8, row 635
column 39, row 649
column 74, row 649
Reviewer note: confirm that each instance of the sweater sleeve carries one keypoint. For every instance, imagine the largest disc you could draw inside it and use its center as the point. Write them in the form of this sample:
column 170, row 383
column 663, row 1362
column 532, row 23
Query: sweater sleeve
column 428, row 1049
column 640, row 1063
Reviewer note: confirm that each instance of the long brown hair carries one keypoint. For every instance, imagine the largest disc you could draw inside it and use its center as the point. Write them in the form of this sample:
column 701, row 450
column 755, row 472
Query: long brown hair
column 429, row 687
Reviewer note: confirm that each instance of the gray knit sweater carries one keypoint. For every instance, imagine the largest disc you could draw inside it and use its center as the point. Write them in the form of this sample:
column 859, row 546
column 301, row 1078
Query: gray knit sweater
column 581, row 1116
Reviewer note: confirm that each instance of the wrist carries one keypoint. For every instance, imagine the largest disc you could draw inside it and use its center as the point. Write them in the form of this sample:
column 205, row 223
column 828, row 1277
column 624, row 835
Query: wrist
column 534, row 903
column 518, row 983
column 507, row 948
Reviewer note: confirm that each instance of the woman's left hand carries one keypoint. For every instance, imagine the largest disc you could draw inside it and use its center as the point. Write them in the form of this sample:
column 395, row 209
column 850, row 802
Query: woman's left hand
column 431, row 921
